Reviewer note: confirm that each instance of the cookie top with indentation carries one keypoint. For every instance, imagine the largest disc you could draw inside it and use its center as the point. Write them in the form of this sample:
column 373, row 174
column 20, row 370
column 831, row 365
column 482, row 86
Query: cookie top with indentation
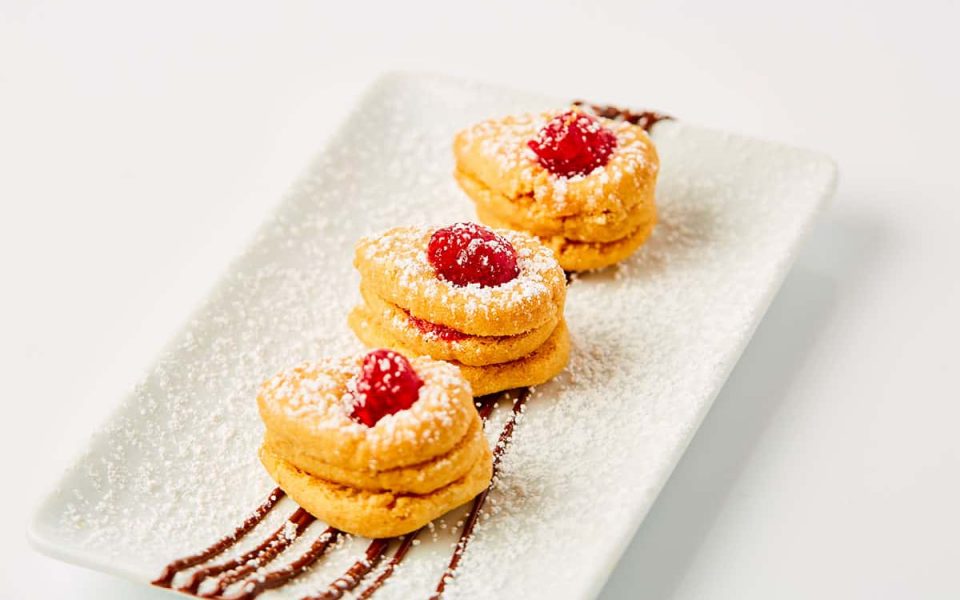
column 397, row 266
column 520, row 156
column 321, row 405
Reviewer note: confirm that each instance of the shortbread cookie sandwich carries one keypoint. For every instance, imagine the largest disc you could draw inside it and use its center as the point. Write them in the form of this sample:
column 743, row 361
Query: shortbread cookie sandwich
column 490, row 302
column 374, row 444
column 583, row 184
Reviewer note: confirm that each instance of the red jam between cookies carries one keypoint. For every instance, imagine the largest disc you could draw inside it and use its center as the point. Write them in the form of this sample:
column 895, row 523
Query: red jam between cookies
column 573, row 143
column 447, row 334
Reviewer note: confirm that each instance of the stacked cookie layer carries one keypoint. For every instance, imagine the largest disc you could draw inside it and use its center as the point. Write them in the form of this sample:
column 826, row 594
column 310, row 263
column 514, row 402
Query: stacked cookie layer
column 502, row 337
column 590, row 220
column 380, row 481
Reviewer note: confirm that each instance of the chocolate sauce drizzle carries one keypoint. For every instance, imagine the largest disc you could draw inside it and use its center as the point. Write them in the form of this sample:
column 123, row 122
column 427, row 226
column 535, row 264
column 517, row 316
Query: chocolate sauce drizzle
column 257, row 585
column 244, row 572
column 467, row 534
column 486, row 404
column 646, row 119
column 406, row 542
column 355, row 574
column 171, row 570
column 236, row 569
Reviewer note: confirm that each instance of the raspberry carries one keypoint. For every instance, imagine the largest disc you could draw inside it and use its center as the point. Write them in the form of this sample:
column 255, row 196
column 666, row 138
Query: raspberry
column 573, row 143
column 467, row 253
column 386, row 384
column 447, row 334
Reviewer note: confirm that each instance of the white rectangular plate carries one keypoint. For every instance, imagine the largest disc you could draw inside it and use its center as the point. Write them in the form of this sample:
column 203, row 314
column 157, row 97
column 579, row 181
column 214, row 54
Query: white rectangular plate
column 654, row 339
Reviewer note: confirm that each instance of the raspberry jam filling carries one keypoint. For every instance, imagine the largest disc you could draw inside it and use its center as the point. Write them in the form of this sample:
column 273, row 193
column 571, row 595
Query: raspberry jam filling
column 467, row 253
column 573, row 143
column 385, row 385
column 447, row 334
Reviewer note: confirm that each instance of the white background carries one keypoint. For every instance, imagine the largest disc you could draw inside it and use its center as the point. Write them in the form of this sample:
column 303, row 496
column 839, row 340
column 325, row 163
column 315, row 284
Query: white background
column 140, row 145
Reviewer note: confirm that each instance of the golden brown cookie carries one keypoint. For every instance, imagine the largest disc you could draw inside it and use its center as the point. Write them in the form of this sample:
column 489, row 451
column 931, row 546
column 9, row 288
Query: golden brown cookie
column 373, row 443
column 587, row 256
column 496, row 152
column 523, row 214
column 420, row 478
column 394, row 265
column 538, row 367
column 592, row 217
column 375, row 514
column 423, row 339
column 489, row 301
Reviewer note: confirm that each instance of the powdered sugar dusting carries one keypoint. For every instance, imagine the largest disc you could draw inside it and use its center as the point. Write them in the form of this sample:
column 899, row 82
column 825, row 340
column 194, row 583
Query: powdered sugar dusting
column 176, row 467
column 403, row 251
column 321, row 395
column 504, row 142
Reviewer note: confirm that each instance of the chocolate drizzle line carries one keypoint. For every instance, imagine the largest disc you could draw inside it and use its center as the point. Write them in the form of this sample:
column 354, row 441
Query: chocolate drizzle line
column 263, row 554
column 239, row 570
column 646, row 119
column 474, row 515
column 355, row 574
column 405, row 543
column 486, row 404
column 259, row 584
column 171, row 570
